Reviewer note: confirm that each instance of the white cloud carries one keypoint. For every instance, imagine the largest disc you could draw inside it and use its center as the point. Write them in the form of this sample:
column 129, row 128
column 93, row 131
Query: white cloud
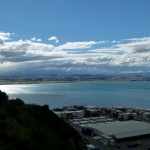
column 36, row 40
column 78, row 45
column 139, row 39
column 53, row 38
column 5, row 35
column 75, row 57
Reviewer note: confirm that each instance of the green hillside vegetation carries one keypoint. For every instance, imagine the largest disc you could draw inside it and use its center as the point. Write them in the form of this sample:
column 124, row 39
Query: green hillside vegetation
column 34, row 127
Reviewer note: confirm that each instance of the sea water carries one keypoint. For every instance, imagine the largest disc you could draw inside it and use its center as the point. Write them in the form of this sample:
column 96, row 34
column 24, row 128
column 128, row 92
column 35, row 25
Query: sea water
column 102, row 94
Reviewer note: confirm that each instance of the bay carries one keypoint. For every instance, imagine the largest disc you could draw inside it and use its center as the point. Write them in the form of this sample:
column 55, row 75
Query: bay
column 102, row 94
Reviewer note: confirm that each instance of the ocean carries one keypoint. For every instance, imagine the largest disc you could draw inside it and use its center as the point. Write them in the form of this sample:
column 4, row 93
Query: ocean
column 102, row 94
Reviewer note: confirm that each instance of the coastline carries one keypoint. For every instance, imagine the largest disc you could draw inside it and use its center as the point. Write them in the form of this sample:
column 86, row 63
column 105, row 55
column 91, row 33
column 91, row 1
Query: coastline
column 6, row 80
column 62, row 81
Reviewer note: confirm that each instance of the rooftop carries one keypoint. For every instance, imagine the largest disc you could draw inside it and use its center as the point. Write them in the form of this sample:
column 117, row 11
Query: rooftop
column 122, row 129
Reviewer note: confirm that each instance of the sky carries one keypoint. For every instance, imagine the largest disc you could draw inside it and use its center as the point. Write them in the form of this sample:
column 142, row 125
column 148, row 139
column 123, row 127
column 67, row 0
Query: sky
column 74, row 36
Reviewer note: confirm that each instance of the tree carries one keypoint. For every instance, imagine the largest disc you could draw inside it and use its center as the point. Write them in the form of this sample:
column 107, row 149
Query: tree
column 3, row 97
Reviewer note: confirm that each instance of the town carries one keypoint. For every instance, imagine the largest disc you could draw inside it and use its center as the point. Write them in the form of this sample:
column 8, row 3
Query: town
column 109, row 128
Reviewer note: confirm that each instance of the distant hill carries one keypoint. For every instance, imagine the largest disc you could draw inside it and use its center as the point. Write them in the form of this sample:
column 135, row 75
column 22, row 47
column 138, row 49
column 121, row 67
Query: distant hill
column 75, row 77
column 34, row 127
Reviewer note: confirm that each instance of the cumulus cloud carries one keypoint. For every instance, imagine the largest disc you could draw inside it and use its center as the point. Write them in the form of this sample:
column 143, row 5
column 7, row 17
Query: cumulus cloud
column 75, row 57
column 53, row 38
column 35, row 39
column 5, row 35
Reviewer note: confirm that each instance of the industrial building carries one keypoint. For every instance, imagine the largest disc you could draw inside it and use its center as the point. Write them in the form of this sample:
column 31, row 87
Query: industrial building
column 70, row 114
column 109, row 128
column 120, row 129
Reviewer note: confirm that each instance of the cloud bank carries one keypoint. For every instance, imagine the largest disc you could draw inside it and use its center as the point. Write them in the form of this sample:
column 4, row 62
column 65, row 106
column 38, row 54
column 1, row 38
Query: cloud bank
column 95, row 57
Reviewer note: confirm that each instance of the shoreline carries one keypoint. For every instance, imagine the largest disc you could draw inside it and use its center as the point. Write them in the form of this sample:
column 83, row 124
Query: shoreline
column 78, row 81
column 84, row 81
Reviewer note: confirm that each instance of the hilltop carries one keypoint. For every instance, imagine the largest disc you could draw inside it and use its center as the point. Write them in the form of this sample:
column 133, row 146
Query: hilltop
column 34, row 127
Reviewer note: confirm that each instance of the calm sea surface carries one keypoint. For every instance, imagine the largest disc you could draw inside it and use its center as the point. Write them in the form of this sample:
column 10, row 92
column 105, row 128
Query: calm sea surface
column 132, row 94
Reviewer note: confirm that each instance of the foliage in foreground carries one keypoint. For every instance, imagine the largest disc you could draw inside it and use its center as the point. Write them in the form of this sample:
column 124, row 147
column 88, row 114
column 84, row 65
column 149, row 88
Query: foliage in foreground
column 33, row 127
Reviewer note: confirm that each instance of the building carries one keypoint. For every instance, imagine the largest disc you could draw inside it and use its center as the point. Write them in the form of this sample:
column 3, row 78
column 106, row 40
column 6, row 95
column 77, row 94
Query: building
column 70, row 114
column 118, row 130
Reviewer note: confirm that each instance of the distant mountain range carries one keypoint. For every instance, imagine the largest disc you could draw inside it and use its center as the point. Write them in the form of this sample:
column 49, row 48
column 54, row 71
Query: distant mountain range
column 72, row 78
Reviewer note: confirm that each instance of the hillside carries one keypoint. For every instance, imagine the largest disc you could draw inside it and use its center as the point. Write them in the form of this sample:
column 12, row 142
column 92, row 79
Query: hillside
column 33, row 127
column 71, row 78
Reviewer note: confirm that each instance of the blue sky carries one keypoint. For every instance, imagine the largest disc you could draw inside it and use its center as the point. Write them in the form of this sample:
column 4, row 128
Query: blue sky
column 81, row 36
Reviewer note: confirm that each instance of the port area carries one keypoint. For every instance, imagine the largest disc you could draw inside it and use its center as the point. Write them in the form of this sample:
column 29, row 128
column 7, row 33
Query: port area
column 136, row 143
column 109, row 128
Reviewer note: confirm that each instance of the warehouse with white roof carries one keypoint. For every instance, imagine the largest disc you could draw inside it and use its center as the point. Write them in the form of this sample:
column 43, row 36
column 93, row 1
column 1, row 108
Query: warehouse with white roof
column 121, row 129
